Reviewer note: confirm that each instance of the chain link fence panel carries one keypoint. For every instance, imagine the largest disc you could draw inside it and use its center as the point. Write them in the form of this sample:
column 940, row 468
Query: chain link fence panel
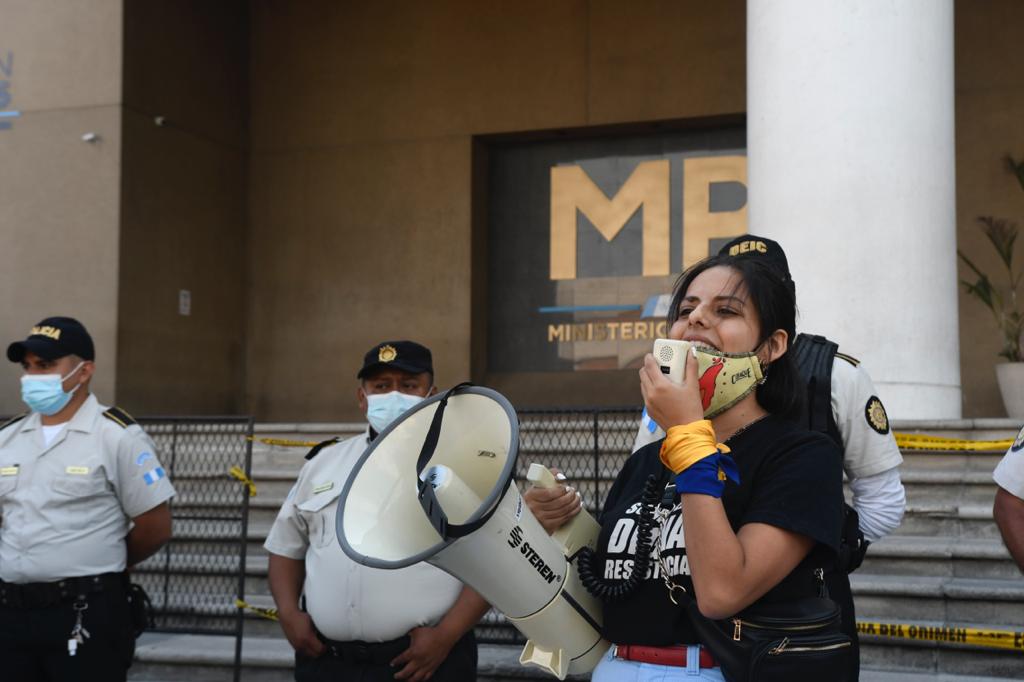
column 194, row 579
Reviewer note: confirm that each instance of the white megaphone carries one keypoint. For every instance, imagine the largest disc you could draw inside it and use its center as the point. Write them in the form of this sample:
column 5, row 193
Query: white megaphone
column 436, row 486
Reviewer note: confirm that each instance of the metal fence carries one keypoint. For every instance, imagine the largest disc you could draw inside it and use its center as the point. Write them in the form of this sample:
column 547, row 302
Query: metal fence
column 589, row 446
column 194, row 578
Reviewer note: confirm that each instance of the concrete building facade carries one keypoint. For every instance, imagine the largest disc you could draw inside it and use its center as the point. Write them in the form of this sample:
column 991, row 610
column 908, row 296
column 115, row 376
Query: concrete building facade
column 305, row 179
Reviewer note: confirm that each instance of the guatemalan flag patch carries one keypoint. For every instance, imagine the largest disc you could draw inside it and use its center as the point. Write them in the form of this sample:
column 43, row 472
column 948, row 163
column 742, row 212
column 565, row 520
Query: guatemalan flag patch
column 154, row 475
column 648, row 423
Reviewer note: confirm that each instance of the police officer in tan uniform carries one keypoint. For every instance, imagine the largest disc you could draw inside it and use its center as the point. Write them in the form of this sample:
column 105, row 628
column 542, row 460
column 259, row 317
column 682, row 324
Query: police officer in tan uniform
column 353, row 622
column 82, row 498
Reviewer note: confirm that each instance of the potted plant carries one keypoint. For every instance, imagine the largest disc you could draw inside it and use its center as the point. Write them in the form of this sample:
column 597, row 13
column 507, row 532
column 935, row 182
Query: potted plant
column 1004, row 302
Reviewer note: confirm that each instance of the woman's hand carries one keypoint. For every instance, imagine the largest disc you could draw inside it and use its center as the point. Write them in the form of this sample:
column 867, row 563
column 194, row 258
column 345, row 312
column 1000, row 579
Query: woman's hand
column 553, row 507
column 668, row 403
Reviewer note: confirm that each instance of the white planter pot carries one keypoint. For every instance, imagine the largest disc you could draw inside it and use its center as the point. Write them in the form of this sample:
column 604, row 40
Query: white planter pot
column 1011, row 385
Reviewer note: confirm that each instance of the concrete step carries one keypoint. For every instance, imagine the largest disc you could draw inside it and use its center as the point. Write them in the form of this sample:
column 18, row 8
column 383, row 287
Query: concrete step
column 951, row 520
column 957, row 556
column 939, row 599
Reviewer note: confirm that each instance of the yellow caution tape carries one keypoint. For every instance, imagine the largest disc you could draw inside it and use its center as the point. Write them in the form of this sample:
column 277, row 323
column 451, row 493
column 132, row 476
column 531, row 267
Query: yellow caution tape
column 237, row 472
column 997, row 639
column 269, row 614
column 284, row 442
column 905, row 441
column 914, row 441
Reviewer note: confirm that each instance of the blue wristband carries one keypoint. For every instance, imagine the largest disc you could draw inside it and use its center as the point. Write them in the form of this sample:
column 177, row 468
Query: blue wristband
column 707, row 477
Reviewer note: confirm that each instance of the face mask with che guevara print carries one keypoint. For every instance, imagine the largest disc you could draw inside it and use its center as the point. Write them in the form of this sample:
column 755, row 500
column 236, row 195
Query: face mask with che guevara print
column 725, row 378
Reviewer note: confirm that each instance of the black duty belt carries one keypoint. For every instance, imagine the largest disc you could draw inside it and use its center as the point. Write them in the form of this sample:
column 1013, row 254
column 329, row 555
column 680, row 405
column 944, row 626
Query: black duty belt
column 40, row 595
column 367, row 652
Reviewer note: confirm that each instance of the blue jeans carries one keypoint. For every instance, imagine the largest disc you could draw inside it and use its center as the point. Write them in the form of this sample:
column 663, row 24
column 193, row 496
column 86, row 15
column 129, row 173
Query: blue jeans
column 612, row 669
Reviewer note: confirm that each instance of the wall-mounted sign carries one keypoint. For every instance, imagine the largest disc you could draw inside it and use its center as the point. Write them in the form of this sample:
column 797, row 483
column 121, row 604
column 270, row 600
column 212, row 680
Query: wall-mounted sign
column 7, row 114
column 586, row 238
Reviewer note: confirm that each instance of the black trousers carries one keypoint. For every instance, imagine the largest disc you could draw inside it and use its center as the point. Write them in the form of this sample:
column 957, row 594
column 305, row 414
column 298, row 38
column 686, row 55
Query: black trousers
column 838, row 583
column 460, row 666
column 34, row 641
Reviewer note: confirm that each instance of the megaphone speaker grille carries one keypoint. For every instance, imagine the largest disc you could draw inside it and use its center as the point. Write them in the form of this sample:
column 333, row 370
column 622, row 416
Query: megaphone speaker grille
column 665, row 354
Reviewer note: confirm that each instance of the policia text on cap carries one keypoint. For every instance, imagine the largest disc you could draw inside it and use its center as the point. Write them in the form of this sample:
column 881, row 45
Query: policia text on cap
column 82, row 497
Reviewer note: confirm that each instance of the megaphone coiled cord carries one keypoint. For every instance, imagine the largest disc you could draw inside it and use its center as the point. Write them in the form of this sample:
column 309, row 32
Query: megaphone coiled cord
column 590, row 575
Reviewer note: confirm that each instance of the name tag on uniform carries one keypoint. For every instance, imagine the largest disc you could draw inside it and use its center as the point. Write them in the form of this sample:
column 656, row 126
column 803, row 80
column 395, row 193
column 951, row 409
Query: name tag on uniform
column 9, row 471
column 323, row 487
column 77, row 470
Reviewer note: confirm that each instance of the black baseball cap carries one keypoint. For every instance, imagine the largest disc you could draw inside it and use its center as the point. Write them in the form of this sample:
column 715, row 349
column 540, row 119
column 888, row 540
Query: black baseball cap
column 407, row 356
column 767, row 250
column 54, row 338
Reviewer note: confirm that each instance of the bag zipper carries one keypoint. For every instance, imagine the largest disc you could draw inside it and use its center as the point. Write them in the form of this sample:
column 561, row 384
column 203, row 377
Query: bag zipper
column 789, row 628
column 783, row 647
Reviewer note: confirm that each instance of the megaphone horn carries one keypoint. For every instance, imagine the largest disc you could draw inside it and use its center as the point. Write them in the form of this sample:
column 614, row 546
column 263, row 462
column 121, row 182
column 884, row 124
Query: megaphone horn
column 437, row 486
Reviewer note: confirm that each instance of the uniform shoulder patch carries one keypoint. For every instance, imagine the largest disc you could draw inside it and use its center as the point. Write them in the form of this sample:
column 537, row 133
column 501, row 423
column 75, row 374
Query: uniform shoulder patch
column 875, row 415
column 320, row 446
column 13, row 420
column 849, row 358
column 1017, row 446
column 119, row 417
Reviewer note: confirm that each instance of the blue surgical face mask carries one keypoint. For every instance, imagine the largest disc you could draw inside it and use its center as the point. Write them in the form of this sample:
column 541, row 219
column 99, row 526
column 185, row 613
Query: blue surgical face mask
column 384, row 408
column 45, row 394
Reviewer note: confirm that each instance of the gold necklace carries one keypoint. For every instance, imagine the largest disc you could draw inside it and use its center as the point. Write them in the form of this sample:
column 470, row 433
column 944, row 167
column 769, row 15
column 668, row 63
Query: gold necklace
column 746, row 426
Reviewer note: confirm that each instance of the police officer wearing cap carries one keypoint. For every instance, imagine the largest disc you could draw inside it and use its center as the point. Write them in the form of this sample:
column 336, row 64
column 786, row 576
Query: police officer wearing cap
column 82, row 498
column 351, row 622
column 842, row 402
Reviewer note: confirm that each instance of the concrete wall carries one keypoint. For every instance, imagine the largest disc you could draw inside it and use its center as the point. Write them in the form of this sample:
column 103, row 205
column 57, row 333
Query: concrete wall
column 330, row 204
column 363, row 117
column 989, row 125
column 183, row 207
column 60, row 195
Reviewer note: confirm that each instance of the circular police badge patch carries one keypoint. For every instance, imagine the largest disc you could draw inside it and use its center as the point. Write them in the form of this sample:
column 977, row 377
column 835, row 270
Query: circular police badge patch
column 1019, row 443
column 875, row 414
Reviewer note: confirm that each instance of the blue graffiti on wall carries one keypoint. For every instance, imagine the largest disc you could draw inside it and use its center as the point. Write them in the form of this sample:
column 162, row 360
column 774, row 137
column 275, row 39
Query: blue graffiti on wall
column 6, row 73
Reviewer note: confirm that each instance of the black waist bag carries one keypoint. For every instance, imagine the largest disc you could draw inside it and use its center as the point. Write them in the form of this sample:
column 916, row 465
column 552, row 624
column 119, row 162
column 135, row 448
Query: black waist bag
column 140, row 609
column 798, row 640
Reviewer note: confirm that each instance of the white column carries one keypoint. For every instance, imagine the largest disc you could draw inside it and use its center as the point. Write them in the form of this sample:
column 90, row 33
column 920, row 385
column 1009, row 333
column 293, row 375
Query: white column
column 850, row 138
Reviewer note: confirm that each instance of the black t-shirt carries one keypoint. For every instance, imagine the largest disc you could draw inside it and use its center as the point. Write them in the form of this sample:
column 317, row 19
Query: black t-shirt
column 790, row 478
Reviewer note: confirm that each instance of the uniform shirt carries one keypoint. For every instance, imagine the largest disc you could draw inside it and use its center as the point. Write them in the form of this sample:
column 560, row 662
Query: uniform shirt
column 1009, row 473
column 346, row 600
column 789, row 479
column 66, row 507
column 869, row 446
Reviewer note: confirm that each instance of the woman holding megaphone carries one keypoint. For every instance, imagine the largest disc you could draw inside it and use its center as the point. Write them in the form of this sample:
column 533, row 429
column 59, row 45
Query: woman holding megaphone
column 715, row 539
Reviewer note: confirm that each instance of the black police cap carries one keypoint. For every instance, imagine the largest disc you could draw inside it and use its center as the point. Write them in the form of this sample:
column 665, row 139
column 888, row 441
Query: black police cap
column 762, row 248
column 408, row 356
column 54, row 338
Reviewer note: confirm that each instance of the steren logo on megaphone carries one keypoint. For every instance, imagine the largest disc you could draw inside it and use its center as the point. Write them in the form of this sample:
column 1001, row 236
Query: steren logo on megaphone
column 515, row 539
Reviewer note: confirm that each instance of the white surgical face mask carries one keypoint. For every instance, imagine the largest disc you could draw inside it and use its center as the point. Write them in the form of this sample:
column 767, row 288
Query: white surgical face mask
column 384, row 408
column 45, row 394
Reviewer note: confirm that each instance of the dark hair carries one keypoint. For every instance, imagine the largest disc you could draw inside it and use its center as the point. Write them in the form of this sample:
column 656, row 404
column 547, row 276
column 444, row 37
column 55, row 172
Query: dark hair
column 775, row 303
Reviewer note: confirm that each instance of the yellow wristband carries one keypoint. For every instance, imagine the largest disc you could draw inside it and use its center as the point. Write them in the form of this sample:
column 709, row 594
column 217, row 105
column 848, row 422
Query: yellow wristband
column 689, row 443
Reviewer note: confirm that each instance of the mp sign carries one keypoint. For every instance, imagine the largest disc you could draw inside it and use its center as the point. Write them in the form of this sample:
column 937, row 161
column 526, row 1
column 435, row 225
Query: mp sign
column 587, row 237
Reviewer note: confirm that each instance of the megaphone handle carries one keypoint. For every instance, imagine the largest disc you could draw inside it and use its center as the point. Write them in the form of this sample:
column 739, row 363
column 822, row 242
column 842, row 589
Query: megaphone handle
column 540, row 476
